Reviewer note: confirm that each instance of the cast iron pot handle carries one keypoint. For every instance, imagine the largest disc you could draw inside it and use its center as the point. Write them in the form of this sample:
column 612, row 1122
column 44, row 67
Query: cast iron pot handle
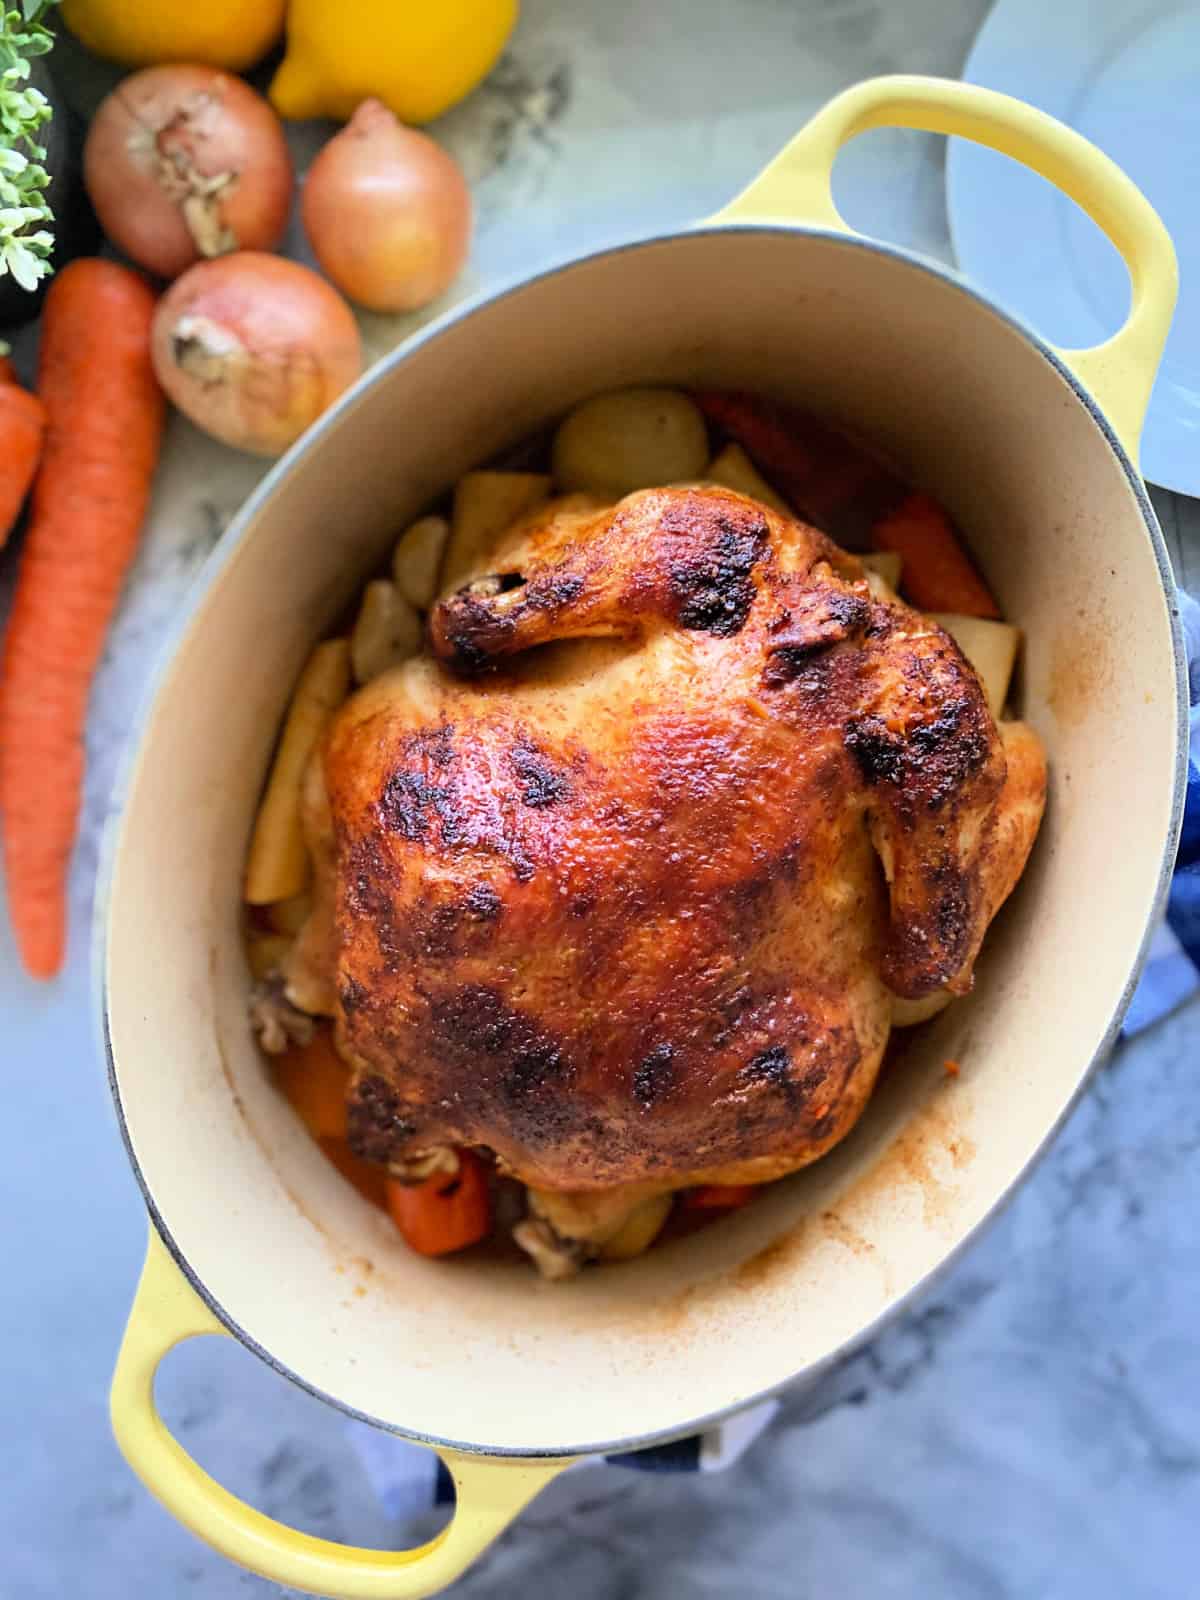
column 1119, row 373
column 491, row 1490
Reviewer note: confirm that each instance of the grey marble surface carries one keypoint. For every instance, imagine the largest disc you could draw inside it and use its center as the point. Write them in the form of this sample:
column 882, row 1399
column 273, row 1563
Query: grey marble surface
column 1031, row 1430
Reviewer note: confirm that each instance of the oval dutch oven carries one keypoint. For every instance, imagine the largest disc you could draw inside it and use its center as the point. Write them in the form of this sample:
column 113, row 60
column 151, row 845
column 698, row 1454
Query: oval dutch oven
column 253, row 1233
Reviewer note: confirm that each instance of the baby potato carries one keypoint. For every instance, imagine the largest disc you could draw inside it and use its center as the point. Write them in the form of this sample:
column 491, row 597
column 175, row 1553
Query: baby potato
column 388, row 631
column 630, row 439
column 417, row 558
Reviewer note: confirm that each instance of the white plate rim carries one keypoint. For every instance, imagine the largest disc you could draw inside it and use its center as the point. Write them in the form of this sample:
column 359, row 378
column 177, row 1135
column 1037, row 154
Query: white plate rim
column 1050, row 74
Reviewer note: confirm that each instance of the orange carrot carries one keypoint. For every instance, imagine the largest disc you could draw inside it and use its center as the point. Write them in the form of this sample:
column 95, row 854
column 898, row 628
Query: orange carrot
column 824, row 476
column 368, row 1178
column 721, row 1196
column 443, row 1213
column 938, row 574
column 22, row 429
column 104, row 416
column 315, row 1080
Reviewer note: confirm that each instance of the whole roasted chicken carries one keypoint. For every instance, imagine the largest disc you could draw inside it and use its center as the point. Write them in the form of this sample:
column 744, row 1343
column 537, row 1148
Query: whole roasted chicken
column 624, row 878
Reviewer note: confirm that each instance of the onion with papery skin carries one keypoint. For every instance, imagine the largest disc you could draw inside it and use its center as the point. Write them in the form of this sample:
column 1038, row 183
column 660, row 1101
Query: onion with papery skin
column 186, row 162
column 253, row 348
column 387, row 212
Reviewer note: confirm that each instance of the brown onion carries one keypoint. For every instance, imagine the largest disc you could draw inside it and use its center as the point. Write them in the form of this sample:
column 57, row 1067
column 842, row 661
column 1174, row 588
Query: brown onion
column 253, row 348
column 185, row 162
column 387, row 212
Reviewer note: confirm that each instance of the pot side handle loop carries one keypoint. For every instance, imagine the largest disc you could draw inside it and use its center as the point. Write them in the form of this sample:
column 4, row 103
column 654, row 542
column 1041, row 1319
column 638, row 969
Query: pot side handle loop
column 490, row 1491
column 795, row 187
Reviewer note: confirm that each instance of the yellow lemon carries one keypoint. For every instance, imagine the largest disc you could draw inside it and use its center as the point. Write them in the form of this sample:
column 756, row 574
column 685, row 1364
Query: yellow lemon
column 142, row 33
column 417, row 57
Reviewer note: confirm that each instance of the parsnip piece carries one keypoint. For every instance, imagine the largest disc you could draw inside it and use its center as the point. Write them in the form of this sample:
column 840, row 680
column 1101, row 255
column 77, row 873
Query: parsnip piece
column 266, row 954
column 277, row 865
column 416, row 559
column 886, row 564
column 907, row 1013
column 309, row 970
column 733, row 468
column 630, row 439
column 289, row 916
column 639, row 1231
column 386, row 632
column 485, row 503
column 990, row 647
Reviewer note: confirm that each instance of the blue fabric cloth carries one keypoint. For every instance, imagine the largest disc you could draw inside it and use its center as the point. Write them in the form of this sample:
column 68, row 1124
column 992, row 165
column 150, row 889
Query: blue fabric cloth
column 1173, row 970
column 409, row 1479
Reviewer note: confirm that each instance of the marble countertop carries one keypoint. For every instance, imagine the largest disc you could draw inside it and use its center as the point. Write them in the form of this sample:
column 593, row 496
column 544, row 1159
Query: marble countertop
column 1032, row 1429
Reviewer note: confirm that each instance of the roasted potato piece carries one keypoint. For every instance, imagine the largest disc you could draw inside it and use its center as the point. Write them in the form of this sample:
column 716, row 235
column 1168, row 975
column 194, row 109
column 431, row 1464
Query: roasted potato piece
column 485, row 503
column 277, row 866
column 733, row 469
column 387, row 631
column 990, row 647
column 417, row 558
column 630, row 439
column 907, row 1013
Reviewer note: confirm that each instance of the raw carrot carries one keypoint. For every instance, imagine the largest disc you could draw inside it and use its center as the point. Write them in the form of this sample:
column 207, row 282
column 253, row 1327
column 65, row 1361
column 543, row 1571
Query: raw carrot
column 104, row 416
column 720, row 1196
column 938, row 574
column 825, row 477
column 443, row 1214
column 22, row 429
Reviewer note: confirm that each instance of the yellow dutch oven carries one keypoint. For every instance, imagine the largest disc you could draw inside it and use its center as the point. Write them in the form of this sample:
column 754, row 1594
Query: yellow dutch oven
column 254, row 1234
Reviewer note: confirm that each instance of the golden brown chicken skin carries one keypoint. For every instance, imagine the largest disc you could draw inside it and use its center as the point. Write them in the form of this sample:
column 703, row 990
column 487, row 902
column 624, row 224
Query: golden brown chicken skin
column 625, row 872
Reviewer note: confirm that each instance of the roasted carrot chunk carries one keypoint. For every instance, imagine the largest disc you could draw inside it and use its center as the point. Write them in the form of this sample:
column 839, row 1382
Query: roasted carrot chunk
column 826, row 477
column 938, row 574
column 721, row 1196
column 315, row 1080
column 445, row 1213
column 369, row 1179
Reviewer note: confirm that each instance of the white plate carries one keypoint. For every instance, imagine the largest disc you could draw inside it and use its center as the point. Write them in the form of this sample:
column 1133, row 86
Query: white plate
column 1127, row 75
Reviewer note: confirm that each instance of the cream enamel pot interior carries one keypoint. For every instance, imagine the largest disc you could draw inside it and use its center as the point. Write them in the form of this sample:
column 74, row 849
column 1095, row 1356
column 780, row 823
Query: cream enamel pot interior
column 255, row 1234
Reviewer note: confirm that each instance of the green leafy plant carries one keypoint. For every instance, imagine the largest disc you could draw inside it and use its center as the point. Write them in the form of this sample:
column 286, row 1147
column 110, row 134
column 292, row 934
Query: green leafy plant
column 25, row 241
